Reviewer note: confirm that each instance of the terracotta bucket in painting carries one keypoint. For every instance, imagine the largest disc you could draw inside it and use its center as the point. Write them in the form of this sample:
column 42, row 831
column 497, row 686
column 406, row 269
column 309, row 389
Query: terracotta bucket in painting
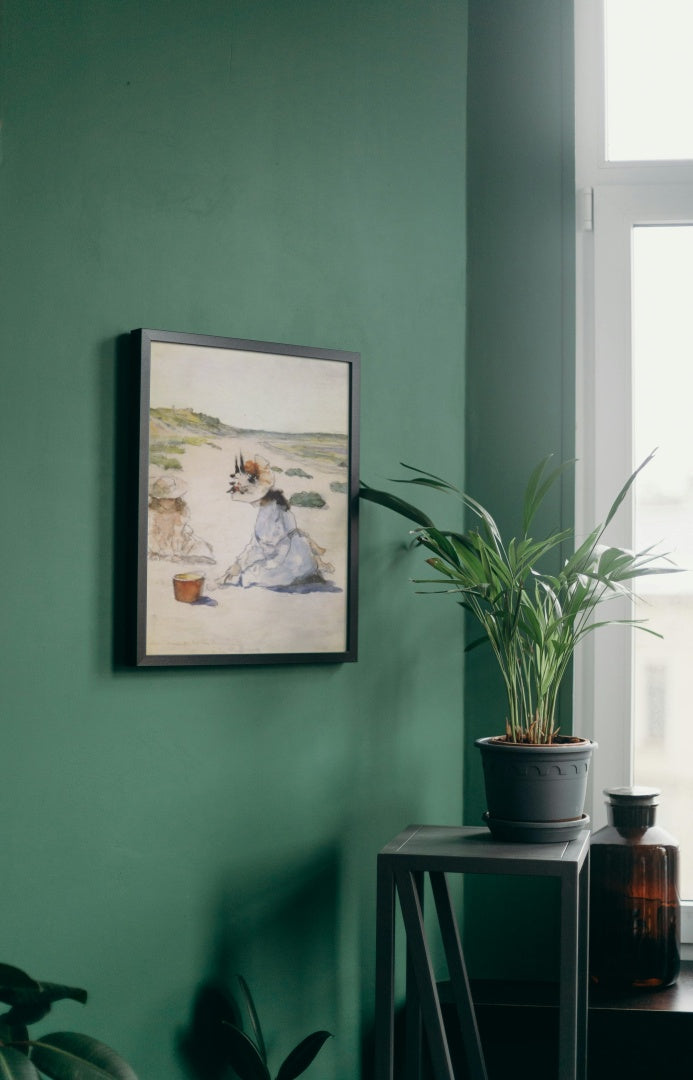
column 188, row 587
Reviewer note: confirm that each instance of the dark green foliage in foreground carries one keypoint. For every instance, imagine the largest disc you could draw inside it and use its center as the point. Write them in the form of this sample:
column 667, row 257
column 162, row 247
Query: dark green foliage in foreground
column 225, row 1034
column 63, row 1055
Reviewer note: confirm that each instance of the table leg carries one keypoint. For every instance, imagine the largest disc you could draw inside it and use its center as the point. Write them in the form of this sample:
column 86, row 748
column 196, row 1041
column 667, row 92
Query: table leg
column 425, row 978
column 458, row 977
column 583, row 968
column 413, row 1043
column 385, row 971
column 568, row 984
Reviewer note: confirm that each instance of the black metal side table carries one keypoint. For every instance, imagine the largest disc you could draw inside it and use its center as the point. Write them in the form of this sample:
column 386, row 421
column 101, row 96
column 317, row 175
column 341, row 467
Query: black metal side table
column 441, row 850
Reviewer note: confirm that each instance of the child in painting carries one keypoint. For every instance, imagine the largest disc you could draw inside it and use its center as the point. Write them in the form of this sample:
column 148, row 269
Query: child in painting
column 278, row 555
column 170, row 534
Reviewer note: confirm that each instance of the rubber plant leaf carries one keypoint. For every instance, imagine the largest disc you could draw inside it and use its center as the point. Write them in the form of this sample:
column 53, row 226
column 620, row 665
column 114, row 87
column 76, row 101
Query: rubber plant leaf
column 14, row 1065
column 67, row 1055
column 253, row 1017
column 12, row 978
column 301, row 1056
column 14, row 1034
column 243, row 1055
column 202, row 1042
column 31, row 1000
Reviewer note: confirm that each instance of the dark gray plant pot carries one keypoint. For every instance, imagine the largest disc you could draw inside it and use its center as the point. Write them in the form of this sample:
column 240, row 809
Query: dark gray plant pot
column 535, row 794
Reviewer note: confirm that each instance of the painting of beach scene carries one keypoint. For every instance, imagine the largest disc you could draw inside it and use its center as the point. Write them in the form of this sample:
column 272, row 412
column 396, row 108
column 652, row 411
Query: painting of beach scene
column 248, row 484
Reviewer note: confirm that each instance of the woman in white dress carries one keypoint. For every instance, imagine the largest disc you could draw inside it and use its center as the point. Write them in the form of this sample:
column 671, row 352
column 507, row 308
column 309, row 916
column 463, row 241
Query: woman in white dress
column 278, row 555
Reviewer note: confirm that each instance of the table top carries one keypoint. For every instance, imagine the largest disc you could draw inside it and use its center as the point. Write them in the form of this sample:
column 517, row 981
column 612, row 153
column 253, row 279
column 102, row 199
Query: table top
column 465, row 849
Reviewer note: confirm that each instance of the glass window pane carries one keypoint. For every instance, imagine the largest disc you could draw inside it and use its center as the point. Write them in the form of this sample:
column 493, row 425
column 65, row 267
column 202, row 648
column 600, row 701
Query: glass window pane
column 649, row 79
column 662, row 418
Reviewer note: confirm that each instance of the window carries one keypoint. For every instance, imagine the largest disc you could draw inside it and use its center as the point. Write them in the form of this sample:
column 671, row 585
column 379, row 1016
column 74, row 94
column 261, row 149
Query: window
column 651, row 708
column 634, row 165
column 648, row 80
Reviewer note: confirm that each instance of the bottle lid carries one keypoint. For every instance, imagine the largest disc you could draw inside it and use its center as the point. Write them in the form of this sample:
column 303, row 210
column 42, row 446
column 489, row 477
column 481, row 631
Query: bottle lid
column 632, row 796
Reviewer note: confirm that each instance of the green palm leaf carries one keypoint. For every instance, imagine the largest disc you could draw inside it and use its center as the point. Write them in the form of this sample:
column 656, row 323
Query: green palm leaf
column 537, row 490
column 532, row 618
column 384, row 498
column 625, row 489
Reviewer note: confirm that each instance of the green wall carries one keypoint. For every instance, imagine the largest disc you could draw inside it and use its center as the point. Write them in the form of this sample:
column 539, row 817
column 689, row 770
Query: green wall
column 279, row 171
column 520, row 365
column 291, row 172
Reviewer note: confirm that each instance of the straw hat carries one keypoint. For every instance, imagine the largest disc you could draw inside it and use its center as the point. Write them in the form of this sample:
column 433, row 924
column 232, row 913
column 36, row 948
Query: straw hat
column 251, row 480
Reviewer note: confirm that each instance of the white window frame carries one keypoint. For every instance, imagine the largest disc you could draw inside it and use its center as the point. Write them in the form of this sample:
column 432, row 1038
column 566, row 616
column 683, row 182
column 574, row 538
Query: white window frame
column 611, row 198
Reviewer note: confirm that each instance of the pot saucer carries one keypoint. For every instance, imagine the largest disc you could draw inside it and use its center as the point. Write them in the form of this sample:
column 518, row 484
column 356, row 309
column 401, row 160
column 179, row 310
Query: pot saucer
column 535, row 832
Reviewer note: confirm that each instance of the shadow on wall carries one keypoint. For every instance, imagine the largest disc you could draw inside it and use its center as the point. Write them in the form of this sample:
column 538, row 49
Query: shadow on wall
column 278, row 929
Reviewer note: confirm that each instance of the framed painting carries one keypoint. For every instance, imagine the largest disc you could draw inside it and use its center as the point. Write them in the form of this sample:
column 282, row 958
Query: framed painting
column 248, row 501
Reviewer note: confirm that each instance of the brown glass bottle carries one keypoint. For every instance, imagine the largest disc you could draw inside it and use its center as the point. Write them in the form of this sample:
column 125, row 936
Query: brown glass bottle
column 635, row 920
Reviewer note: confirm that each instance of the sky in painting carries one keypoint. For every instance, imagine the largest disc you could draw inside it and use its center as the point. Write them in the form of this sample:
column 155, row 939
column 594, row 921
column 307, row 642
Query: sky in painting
column 257, row 391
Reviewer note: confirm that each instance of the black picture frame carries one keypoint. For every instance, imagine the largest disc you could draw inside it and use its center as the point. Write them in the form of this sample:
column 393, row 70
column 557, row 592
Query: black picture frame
column 248, row 480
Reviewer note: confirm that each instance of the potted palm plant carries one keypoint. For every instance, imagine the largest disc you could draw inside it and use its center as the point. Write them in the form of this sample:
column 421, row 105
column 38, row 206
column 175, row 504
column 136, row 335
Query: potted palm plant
column 533, row 618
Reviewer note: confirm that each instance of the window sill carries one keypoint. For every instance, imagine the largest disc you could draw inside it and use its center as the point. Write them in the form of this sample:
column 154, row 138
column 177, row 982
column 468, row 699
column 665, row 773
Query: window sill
column 673, row 999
